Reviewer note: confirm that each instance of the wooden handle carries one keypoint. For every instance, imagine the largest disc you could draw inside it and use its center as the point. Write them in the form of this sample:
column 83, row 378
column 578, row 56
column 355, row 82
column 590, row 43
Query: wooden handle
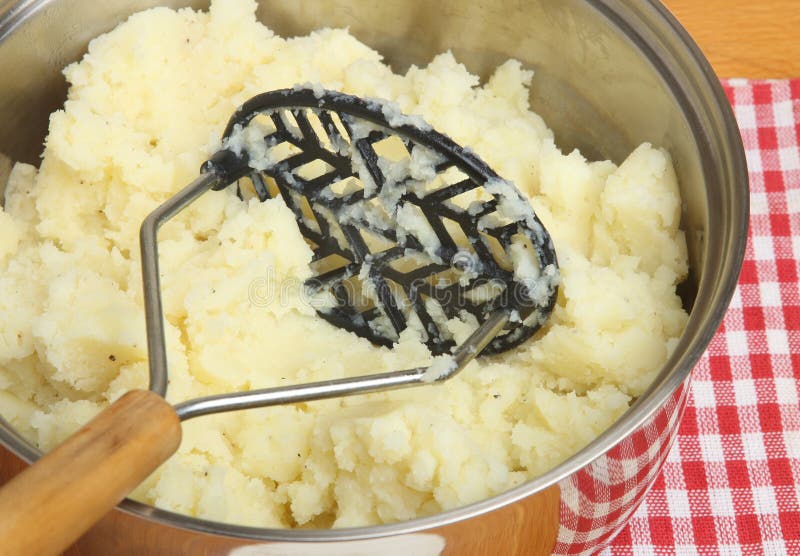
column 44, row 509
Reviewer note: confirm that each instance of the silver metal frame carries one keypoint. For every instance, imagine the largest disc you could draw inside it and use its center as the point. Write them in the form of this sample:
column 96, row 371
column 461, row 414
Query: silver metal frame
column 691, row 81
column 366, row 384
column 220, row 403
column 154, row 314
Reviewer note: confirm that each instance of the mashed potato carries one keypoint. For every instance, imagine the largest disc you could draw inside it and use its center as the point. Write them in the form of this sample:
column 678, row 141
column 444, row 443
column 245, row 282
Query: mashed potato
column 146, row 106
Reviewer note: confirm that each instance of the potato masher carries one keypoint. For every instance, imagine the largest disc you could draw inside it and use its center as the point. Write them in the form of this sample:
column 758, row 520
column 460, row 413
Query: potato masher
column 407, row 228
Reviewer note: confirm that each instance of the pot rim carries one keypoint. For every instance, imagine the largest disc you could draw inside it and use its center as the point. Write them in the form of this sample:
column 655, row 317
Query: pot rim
column 633, row 18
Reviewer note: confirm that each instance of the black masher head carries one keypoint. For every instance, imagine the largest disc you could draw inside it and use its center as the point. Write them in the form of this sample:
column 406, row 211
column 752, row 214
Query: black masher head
column 408, row 230
column 407, row 227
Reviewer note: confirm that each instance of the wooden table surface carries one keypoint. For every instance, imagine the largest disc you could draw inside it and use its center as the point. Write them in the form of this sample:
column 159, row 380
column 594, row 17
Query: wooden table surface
column 744, row 38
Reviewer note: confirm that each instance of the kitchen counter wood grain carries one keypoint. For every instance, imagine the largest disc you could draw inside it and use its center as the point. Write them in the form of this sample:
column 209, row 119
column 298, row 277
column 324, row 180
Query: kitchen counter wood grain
column 744, row 38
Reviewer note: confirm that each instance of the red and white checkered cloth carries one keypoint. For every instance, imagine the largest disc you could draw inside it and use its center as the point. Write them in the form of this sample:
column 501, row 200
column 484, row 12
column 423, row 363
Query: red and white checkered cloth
column 731, row 484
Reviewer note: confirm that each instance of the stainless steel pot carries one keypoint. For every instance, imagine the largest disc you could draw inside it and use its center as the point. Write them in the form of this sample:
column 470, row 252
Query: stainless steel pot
column 610, row 74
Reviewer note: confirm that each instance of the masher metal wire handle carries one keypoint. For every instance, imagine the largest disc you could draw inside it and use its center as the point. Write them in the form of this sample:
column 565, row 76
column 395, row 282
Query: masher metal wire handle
column 462, row 355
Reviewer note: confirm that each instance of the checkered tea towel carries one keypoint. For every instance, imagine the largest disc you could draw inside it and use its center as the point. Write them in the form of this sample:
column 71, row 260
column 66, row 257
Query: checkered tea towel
column 731, row 484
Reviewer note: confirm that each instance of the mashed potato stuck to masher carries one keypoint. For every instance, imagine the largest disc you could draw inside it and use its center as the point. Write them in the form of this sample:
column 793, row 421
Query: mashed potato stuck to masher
column 146, row 107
